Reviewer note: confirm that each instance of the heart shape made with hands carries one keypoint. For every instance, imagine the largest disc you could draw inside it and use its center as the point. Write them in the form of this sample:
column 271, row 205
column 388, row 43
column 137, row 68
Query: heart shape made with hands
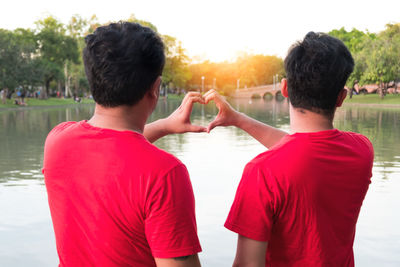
column 181, row 117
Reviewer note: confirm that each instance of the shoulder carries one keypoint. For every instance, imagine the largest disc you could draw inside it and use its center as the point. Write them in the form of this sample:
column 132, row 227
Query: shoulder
column 62, row 127
column 277, row 152
column 61, row 130
column 166, row 162
column 153, row 158
column 360, row 141
column 358, row 136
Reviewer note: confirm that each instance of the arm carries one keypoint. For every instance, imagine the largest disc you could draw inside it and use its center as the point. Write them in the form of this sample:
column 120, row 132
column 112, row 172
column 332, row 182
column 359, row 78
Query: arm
column 250, row 253
column 170, row 223
column 177, row 122
column 186, row 261
column 227, row 116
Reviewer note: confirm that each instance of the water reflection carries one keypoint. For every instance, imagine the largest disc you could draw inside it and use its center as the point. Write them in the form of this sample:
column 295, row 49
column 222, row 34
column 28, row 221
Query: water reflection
column 22, row 135
column 382, row 127
column 215, row 162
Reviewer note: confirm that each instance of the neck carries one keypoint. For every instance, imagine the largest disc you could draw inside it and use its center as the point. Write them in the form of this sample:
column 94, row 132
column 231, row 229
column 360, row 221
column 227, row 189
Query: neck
column 303, row 121
column 121, row 118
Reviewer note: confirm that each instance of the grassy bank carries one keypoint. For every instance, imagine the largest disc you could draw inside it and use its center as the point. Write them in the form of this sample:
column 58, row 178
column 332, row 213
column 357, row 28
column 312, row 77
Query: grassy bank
column 374, row 99
column 175, row 97
column 33, row 102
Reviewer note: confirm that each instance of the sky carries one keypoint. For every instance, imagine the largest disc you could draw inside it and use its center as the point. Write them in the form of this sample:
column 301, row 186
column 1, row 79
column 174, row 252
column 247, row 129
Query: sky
column 218, row 30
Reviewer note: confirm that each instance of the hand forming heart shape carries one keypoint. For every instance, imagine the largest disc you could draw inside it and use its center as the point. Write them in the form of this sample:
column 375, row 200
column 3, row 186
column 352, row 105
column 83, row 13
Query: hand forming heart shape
column 179, row 120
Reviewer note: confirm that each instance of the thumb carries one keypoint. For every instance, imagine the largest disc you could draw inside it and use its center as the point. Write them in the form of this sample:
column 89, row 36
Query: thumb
column 212, row 125
column 197, row 129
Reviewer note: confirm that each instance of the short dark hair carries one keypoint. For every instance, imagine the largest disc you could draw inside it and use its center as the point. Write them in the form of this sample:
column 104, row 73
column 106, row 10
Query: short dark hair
column 122, row 61
column 317, row 69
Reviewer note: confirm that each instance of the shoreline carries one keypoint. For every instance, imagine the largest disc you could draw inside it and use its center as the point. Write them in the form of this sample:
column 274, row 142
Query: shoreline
column 371, row 105
column 69, row 103
column 42, row 106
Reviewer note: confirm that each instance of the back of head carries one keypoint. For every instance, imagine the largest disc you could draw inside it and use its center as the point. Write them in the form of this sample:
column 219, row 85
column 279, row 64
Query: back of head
column 122, row 61
column 317, row 69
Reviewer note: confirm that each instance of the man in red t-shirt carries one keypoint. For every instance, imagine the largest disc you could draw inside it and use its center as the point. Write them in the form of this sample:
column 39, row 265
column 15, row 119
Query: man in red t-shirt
column 298, row 203
column 116, row 199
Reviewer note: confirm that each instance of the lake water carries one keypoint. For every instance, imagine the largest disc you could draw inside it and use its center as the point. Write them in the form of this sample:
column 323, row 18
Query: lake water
column 215, row 162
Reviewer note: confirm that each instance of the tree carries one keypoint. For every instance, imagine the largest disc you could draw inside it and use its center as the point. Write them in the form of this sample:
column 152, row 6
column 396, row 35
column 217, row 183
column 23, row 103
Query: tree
column 18, row 62
column 28, row 71
column 355, row 41
column 381, row 57
column 176, row 70
column 9, row 60
column 56, row 48
column 74, row 72
column 256, row 70
column 252, row 70
column 93, row 23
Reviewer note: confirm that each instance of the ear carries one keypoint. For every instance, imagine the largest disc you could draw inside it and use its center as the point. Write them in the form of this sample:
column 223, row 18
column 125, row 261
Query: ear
column 154, row 91
column 284, row 89
column 342, row 95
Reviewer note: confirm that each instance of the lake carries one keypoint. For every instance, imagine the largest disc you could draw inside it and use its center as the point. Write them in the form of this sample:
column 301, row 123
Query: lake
column 215, row 162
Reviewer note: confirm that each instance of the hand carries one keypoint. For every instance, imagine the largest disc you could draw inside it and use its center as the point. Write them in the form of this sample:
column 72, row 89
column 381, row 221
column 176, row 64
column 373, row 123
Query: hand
column 227, row 116
column 179, row 120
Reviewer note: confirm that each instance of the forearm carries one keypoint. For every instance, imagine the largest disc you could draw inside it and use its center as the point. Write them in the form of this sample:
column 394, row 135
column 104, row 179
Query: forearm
column 263, row 133
column 186, row 261
column 177, row 122
column 250, row 253
column 155, row 130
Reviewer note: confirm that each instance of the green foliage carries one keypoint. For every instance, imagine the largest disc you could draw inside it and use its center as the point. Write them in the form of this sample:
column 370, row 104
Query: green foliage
column 18, row 64
column 376, row 56
column 56, row 49
column 176, row 71
column 354, row 40
column 50, row 56
column 393, row 99
column 10, row 56
column 34, row 102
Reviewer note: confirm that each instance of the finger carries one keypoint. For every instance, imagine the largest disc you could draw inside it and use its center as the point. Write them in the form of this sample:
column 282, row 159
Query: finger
column 212, row 96
column 189, row 95
column 194, row 94
column 193, row 99
column 185, row 98
column 209, row 92
column 188, row 105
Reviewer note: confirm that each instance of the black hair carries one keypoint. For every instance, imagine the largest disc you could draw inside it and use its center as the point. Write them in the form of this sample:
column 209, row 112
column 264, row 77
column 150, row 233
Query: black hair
column 317, row 69
column 122, row 61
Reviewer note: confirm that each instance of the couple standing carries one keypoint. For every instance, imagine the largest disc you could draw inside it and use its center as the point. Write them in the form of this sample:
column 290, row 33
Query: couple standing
column 117, row 200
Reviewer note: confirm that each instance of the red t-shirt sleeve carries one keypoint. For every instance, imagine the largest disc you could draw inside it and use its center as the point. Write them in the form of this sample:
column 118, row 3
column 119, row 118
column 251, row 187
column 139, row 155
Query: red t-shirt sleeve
column 170, row 223
column 252, row 211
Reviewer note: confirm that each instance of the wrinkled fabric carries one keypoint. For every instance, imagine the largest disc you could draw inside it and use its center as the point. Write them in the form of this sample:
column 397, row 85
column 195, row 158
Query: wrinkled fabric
column 115, row 199
column 303, row 197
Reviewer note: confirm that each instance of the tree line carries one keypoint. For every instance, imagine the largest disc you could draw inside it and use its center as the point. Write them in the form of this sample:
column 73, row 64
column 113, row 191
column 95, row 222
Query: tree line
column 247, row 71
column 376, row 56
column 46, row 60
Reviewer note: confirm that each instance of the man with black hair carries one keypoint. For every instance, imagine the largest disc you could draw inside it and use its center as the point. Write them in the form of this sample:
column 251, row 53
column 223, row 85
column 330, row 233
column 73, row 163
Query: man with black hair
column 298, row 203
column 116, row 199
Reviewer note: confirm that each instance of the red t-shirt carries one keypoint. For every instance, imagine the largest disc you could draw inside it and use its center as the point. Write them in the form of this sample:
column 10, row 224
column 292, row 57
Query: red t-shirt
column 303, row 196
column 115, row 199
